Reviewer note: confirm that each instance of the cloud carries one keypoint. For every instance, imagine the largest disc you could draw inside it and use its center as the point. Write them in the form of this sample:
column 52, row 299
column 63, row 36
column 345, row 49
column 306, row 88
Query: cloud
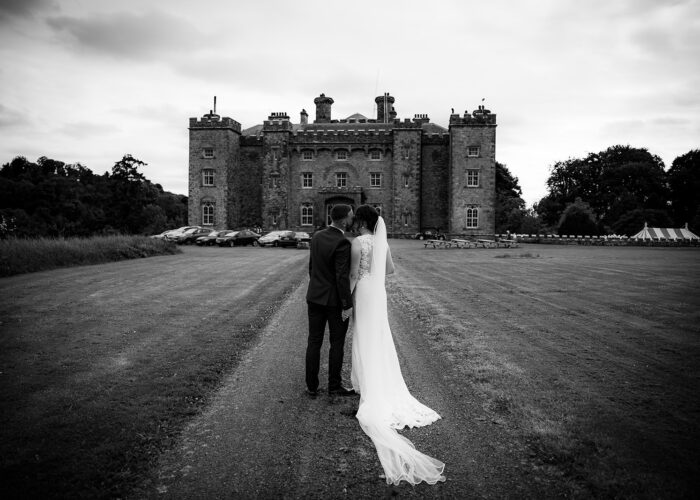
column 85, row 130
column 129, row 35
column 13, row 9
column 12, row 118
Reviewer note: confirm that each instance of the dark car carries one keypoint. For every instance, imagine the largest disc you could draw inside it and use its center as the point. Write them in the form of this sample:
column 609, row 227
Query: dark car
column 272, row 238
column 210, row 239
column 429, row 235
column 191, row 235
column 243, row 238
column 288, row 239
column 223, row 238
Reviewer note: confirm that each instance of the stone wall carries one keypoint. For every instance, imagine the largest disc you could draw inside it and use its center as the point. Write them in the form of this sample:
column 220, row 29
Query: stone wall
column 435, row 175
column 222, row 136
column 406, row 216
column 479, row 131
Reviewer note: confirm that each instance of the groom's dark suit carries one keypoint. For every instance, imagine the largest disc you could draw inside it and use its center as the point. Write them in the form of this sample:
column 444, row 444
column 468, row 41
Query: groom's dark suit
column 327, row 296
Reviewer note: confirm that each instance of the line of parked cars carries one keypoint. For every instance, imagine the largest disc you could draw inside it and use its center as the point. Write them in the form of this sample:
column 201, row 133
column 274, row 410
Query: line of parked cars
column 202, row 236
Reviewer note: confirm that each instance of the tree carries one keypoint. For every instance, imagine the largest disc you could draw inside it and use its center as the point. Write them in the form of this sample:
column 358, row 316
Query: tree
column 613, row 182
column 127, row 169
column 578, row 219
column 684, row 184
column 510, row 207
column 633, row 221
column 52, row 198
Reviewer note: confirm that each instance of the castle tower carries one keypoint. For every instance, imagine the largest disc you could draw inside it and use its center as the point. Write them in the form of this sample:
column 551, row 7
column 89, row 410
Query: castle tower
column 472, row 184
column 323, row 109
column 277, row 130
column 385, row 108
column 213, row 161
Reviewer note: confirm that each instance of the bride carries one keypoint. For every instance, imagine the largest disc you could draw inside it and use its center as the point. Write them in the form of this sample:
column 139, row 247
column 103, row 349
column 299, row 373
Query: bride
column 385, row 403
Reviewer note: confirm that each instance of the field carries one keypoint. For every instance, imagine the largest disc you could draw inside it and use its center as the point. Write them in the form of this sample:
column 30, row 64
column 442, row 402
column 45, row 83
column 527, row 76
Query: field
column 592, row 354
column 588, row 355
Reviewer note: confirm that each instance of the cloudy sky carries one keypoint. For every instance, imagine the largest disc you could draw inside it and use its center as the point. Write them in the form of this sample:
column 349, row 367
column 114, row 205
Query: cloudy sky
column 91, row 80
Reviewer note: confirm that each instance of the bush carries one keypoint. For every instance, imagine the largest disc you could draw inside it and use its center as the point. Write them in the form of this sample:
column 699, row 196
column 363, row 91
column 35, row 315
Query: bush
column 19, row 256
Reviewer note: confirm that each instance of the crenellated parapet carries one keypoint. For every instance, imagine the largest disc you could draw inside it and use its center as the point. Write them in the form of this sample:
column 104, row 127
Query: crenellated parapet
column 480, row 117
column 277, row 122
column 339, row 137
column 406, row 124
column 212, row 121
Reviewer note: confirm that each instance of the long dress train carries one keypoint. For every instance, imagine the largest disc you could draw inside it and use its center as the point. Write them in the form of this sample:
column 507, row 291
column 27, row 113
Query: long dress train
column 385, row 402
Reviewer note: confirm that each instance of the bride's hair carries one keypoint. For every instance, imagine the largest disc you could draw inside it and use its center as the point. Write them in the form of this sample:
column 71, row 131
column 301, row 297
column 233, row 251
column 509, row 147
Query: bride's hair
column 368, row 215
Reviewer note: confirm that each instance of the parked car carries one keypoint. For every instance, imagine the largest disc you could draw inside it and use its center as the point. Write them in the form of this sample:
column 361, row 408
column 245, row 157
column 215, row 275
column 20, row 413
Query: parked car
column 191, row 235
column 210, row 239
column 289, row 239
column 223, row 238
column 302, row 237
column 162, row 235
column 242, row 238
column 171, row 235
column 272, row 238
column 429, row 235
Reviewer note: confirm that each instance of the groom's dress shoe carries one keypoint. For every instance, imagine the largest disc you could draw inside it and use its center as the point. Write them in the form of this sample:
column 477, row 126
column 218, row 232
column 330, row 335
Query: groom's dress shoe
column 341, row 391
column 311, row 394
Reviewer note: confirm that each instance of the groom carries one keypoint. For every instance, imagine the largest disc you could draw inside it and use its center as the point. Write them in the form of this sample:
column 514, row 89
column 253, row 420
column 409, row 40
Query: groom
column 329, row 300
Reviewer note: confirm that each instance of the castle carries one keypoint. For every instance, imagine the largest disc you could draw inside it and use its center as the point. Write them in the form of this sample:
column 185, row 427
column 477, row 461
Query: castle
column 282, row 175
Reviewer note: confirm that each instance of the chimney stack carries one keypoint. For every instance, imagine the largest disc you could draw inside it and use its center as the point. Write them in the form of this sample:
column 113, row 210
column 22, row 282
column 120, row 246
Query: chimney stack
column 323, row 109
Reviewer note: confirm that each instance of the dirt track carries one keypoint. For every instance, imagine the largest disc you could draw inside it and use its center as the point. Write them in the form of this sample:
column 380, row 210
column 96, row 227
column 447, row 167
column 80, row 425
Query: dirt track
column 262, row 437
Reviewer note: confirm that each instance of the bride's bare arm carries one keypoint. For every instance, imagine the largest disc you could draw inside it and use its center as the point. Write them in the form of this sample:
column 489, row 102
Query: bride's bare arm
column 389, row 261
column 355, row 252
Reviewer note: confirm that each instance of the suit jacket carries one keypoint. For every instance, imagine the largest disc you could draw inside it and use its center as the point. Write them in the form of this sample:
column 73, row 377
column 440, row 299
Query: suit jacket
column 329, row 269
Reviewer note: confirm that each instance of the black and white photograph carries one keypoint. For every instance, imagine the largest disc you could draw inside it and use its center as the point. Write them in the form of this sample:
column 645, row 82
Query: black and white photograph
column 357, row 250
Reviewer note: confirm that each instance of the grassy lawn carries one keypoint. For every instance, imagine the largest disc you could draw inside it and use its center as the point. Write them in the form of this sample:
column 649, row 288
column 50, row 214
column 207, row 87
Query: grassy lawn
column 40, row 254
column 591, row 355
column 101, row 366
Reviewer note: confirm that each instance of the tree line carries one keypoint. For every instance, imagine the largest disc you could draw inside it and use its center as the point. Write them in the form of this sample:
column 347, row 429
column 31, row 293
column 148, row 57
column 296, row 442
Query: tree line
column 613, row 191
column 49, row 198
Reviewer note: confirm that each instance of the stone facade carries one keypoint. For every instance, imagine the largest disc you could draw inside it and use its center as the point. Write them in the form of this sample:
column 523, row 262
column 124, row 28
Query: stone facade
column 282, row 175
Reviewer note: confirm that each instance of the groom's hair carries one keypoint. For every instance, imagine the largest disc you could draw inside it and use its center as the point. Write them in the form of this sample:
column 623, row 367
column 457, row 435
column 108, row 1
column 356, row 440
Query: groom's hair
column 339, row 212
column 367, row 214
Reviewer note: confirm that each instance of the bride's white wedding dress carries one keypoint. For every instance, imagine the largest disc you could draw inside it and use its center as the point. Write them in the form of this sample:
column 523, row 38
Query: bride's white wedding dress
column 385, row 403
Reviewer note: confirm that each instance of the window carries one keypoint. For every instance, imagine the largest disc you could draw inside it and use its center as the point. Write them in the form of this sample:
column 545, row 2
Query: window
column 473, row 151
column 375, row 180
column 472, row 178
column 307, row 155
column 208, row 177
column 406, row 218
column 378, row 208
column 405, row 181
column 209, row 152
column 472, row 217
column 307, row 179
column 274, row 181
column 208, row 214
column 307, row 215
column 341, row 179
column 341, row 155
column 375, row 154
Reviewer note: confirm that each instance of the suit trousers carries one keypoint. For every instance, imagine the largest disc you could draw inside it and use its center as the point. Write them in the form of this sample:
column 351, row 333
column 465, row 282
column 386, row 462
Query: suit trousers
column 319, row 316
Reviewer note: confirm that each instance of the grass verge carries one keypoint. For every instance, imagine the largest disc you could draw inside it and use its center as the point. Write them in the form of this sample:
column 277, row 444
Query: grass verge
column 41, row 254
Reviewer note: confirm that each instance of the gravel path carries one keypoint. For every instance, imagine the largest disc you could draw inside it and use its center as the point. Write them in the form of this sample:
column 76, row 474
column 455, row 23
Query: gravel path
column 262, row 437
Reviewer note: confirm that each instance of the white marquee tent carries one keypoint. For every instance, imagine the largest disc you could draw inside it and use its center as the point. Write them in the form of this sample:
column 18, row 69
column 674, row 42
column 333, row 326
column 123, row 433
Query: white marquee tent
column 665, row 233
